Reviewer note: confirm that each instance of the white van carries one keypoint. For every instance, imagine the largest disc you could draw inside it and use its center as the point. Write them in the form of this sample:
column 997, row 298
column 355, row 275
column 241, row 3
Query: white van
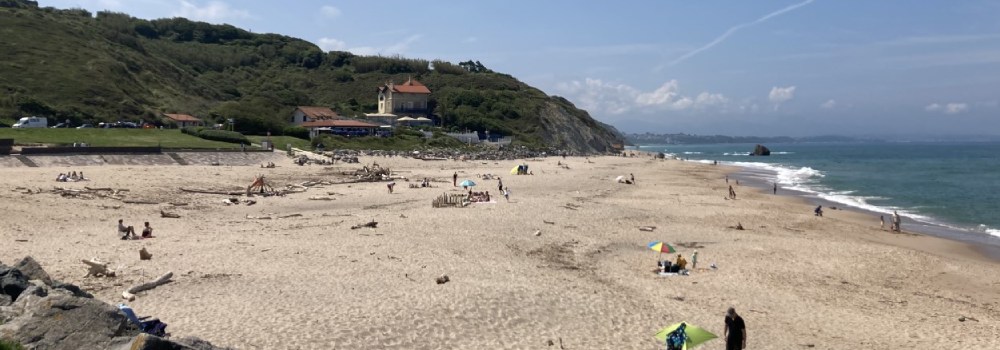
column 32, row 122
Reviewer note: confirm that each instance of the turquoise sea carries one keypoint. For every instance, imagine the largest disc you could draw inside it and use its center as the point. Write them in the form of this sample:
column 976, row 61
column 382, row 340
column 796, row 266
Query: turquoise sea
column 946, row 189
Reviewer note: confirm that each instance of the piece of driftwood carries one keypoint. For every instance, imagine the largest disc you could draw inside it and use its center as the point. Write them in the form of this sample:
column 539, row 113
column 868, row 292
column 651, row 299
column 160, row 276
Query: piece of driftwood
column 130, row 293
column 372, row 224
column 139, row 202
column 258, row 217
column 319, row 198
column 647, row 228
column 97, row 268
column 289, row 216
column 225, row 193
column 164, row 214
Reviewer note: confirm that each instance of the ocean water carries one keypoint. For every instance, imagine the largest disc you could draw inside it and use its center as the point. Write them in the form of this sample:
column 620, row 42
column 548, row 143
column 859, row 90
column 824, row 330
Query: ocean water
column 948, row 189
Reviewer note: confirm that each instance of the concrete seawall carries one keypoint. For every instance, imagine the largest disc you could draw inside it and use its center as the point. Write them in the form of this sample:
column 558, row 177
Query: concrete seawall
column 171, row 158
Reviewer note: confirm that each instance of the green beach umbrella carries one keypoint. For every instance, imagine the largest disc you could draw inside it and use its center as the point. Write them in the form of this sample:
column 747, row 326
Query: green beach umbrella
column 694, row 335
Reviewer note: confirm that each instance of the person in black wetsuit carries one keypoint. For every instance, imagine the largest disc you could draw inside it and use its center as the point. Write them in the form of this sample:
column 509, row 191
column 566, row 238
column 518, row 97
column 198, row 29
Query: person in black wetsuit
column 736, row 332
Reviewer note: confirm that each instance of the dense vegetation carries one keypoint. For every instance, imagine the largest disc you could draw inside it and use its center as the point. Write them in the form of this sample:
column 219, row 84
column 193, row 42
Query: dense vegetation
column 72, row 64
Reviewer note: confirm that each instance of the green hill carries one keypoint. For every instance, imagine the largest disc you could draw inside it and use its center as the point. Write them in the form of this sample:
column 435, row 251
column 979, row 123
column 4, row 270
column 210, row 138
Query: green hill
column 71, row 64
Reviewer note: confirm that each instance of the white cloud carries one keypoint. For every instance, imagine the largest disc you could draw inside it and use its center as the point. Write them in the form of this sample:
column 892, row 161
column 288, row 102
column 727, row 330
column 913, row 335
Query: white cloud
column 398, row 48
column 828, row 104
column 329, row 11
column 330, row 44
column 950, row 108
column 780, row 95
column 213, row 11
column 598, row 96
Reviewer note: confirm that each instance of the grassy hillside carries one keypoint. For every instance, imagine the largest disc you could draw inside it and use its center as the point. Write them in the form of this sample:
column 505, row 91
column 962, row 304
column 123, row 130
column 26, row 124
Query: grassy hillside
column 71, row 64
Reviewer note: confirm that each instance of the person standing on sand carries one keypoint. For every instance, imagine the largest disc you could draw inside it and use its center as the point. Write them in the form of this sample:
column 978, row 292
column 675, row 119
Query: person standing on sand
column 732, row 193
column 694, row 260
column 454, row 179
column 775, row 188
column 632, row 177
column 499, row 184
column 506, row 193
column 881, row 222
column 735, row 332
column 727, row 178
column 896, row 221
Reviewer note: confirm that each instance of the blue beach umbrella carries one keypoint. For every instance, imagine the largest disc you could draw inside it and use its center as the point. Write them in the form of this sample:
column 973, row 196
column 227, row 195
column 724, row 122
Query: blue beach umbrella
column 467, row 183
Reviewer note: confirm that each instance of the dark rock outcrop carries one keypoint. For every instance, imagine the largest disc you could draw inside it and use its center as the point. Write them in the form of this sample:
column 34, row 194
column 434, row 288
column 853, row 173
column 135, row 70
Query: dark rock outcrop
column 12, row 282
column 760, row 150
column 33, row 270
column 54, row 315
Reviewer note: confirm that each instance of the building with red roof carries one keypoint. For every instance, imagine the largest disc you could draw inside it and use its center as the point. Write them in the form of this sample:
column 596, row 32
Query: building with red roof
column 181, row 120
column 408, row 98
column 303, row 114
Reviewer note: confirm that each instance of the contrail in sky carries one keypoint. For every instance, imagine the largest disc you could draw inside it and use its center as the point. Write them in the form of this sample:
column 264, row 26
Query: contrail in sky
column 732, row 30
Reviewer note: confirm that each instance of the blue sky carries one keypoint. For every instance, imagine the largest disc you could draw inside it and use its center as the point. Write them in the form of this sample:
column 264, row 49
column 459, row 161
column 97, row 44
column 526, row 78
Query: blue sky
column 763, row 67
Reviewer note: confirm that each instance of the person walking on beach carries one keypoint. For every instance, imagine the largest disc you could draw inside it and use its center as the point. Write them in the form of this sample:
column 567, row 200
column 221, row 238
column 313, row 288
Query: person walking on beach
column 727, row 179
column 896, row 221
column 454, row 179
column 775, row 188
column 506, row 193
column 735, row 332
column 732, row 193
column 499, row 184
column 632, row 177
column 881, row 222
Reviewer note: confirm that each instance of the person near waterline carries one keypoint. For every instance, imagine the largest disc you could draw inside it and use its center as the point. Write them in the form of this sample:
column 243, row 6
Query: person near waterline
column 896, row 221
column 775, row 188
column 818, row 211
column 881, row 222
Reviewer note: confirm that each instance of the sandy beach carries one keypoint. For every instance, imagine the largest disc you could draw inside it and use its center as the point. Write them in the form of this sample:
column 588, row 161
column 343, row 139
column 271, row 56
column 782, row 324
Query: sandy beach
column 585, row 282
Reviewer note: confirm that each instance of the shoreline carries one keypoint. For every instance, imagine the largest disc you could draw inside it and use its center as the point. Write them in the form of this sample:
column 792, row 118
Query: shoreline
column 864, row 217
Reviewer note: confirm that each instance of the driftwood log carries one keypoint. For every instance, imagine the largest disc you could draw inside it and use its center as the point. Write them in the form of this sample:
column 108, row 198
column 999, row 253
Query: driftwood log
column 97, row 268
column 130, row 293
column 165, row 214
column 372, row 224
column 225, row 193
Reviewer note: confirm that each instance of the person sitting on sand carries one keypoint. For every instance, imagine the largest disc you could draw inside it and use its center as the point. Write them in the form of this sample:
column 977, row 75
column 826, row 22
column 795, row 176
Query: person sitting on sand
column 125, row 230
column 81, row 176
column 664, row 265
column 147, row 231
column 73, row 176
column 681, row 263
column 59, row 178
column 818, row 211
column 487, row 196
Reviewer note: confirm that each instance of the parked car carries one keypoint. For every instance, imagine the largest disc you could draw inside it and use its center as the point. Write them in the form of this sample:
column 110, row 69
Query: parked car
column 85, row 126
column 60, row 125
column 31, row 122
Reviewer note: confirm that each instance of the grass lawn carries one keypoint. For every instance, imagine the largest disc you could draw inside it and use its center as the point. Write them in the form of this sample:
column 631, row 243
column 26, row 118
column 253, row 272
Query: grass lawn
column 172, row 138
column 280, row 142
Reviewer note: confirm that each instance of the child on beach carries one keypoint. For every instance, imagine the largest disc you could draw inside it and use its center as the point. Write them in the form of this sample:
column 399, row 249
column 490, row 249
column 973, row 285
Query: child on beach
column 506, row 193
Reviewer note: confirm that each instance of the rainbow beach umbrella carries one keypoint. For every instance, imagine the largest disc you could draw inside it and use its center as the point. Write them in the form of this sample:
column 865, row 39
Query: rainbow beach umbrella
column 662, row 247
column 693, row 335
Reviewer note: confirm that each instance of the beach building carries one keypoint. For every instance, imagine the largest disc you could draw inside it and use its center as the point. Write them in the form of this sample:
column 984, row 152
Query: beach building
column 181, row 120
column 305, row 114
column 406, row 99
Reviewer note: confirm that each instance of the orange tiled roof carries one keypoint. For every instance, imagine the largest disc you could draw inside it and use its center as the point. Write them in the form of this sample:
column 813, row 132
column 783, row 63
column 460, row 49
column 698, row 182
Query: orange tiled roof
column 181, row 118
column 411, row 87
column 318, row 113
column 338, row 123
